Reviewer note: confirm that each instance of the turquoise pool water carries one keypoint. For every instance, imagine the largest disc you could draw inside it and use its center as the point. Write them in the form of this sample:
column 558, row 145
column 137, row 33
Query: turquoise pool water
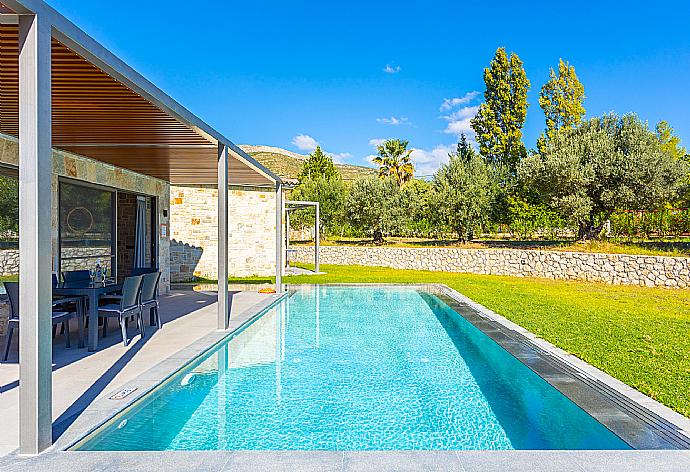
column 352, row 368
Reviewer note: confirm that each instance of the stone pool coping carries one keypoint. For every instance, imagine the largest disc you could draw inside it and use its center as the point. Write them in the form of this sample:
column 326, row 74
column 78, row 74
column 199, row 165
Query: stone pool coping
column 306, row 461
column 103, row 410
column 638, row 419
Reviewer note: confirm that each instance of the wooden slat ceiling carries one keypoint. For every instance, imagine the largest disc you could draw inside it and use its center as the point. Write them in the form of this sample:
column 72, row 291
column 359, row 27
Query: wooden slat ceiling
column 98, row 117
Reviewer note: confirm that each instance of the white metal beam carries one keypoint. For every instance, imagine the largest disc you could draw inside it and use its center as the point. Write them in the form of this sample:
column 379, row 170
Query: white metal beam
column 223, row 296
column 35, row 262
column 6, row 19
column 317, row 237
column 292, row 205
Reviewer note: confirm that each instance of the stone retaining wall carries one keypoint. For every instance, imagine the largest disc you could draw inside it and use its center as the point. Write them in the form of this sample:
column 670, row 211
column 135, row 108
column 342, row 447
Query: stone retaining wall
column 616, row 269
column 9, row 262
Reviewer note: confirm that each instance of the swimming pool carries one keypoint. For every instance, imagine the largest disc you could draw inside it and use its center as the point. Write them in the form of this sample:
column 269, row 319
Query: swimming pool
column 356, row 368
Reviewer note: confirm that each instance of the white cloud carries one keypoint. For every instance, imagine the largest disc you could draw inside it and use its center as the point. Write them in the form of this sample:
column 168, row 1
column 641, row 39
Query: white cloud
column 389, row 69
column 370, row 158
column 304, row 142
column 450, row 103
column 339, row 157
column 459, row 114
column 427, row 161
column 394, row 121
column 460, row 121
column 376, row 141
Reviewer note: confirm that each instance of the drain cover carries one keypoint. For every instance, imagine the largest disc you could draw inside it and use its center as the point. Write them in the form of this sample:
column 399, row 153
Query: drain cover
column 123, row 393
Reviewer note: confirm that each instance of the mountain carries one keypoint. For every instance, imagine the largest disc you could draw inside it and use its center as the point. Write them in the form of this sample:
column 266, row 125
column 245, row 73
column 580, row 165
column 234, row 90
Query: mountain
column 287, row 164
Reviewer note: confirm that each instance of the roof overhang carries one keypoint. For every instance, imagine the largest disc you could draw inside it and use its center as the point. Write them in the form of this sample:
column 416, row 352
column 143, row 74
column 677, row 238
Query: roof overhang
column 105, row 110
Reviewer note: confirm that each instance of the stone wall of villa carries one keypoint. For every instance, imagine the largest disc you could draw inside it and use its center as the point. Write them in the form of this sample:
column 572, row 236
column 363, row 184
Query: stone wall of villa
column 9, row 259
column 194, row 233
column 79, row 168
column 616, row 269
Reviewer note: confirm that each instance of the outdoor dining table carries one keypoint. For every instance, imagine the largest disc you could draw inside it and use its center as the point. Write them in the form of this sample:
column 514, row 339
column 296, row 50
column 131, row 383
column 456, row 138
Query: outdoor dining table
column 92, row 291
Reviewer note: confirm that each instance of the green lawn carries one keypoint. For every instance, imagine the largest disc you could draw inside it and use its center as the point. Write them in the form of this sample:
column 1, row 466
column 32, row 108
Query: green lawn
column 639, row 335
column 9, row 278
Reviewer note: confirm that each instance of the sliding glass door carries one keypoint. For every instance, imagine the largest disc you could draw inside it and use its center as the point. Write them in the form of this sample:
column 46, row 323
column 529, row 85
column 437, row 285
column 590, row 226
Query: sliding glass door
column 86, row 227
column 136, row 235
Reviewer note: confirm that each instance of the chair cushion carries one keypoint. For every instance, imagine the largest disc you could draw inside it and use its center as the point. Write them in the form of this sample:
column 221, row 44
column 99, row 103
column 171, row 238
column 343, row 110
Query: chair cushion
column 63, row 315
column 110, row 307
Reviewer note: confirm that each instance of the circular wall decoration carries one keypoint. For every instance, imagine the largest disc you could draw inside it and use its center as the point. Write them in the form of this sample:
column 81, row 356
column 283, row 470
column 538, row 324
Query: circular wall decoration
column 79, row 220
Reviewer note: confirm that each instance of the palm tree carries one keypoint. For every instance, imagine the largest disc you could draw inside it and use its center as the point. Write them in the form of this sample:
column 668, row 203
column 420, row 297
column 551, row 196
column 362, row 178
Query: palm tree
column 394, row 160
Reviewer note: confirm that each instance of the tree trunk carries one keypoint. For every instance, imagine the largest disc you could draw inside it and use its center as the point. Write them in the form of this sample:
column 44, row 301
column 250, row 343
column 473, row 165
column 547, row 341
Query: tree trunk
column 588, row 231
column 378, row 237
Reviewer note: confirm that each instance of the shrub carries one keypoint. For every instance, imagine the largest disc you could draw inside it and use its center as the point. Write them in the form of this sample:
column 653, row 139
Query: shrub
column 529, row 220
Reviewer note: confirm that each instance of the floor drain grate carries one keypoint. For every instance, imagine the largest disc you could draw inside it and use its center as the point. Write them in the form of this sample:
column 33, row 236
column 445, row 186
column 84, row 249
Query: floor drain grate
column 123, row 393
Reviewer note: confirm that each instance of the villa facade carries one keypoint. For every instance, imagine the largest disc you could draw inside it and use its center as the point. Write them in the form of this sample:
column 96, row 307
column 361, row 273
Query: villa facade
column 251, row 232
column 187, row 218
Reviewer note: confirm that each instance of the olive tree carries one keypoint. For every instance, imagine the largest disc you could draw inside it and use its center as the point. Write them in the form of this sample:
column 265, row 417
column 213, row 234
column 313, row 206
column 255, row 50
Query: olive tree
column 372, row 206
column 414, row 201
column 464, row 192
column 331, row 195
column 603, row 165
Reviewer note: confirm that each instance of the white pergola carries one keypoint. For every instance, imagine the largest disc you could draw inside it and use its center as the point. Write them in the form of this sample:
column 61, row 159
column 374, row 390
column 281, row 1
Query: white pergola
column 292, row 205
column 71, row 93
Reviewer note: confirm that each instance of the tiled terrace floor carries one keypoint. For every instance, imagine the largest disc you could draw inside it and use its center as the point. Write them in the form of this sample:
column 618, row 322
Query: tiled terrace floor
column 80, row 377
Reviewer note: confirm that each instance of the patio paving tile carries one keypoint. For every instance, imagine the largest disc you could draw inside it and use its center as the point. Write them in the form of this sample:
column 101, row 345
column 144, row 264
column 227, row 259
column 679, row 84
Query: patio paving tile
column 402, row 461
column 633, row 461
column 181, row 461
column 288, row 461
column 532, row 461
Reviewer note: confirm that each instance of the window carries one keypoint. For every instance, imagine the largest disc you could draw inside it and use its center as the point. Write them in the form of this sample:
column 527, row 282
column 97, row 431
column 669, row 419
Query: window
column 86, row 227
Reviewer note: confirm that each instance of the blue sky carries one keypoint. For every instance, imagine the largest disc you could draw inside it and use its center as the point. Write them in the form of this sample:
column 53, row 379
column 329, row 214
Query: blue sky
column 347, row 73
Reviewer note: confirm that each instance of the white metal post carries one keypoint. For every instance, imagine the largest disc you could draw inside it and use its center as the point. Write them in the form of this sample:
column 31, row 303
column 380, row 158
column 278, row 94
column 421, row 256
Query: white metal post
column 287, row 230
column 317, row 239
column 287, row 238
column 35, row 262
column 223, row 297
column 279, row 236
